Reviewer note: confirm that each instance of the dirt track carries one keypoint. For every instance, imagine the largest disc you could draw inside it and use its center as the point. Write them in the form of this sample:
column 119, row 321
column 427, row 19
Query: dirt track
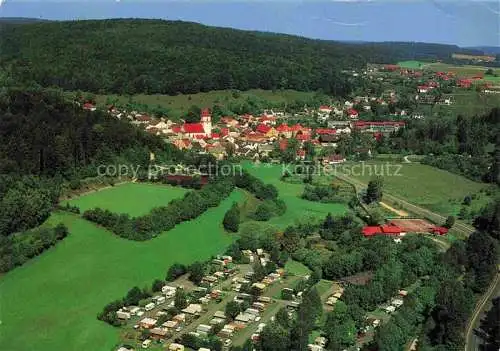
column 391, row 199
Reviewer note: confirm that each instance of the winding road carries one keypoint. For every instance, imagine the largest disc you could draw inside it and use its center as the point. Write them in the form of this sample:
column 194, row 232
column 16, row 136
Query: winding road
column 471, row 340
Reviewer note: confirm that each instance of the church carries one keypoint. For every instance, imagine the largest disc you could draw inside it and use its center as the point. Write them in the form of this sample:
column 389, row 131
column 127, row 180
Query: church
column 199, row 130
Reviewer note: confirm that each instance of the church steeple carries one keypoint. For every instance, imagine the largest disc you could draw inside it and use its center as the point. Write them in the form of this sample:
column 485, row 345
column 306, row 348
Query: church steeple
column 206, row 121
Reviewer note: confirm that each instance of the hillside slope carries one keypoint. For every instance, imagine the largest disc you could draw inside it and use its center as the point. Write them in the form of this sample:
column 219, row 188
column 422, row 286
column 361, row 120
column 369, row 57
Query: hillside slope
column 154, row 56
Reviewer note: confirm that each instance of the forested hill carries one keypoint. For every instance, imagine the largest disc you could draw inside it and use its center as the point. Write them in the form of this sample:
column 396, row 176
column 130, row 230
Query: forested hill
column 155, row 56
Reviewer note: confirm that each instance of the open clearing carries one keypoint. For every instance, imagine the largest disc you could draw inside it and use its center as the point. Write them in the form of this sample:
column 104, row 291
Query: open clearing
column 426, row 186
column 51, row 302
column 297, row 208
column 180, row 104
column 296, row 268
column 135, row 199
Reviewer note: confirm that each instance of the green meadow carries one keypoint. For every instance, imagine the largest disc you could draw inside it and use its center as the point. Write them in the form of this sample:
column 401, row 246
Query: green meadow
column 412, row 64
column 51, row 302
column 429, row 187
column 180, row 104
column 135, row 199
column 297, row 208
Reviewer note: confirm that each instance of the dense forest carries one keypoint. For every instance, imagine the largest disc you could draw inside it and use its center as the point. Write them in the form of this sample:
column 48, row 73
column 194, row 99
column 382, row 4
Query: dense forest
column 49, row 143
column 170, row 57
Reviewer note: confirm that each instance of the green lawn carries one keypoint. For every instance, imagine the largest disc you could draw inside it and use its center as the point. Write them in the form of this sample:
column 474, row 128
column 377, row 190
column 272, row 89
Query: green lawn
column 51, row 303
column 135, row 199
column 429, row 187
column 296, row 268
column 297, row 208
column 324, row 286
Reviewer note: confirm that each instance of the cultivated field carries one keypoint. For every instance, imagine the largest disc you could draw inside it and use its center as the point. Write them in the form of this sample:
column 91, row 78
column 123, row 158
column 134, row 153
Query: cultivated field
column 439, row 191
column 135, row 199
column 297, row 208
column 461, row 70
column 51, row 302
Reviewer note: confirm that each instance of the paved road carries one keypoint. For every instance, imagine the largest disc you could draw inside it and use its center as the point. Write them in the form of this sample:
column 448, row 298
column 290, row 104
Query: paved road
column 471, row 340
column 460, row 227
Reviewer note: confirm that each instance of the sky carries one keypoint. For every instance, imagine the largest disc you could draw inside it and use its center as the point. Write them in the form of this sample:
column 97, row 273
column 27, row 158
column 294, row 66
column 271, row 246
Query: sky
column 460, row 22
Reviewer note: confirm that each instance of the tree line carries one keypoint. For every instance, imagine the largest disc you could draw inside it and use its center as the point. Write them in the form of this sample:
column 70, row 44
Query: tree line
column 132, row 56
column 17, row 250
column 192, row 205
column 161, row 219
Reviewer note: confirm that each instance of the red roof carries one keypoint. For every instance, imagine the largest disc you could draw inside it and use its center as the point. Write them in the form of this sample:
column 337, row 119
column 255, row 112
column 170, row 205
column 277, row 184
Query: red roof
column 283, row 128
column 283, row 144
column 262, row 128
column 224, row 131
column 301, row 153
column 352, row 112
column 371, row 230
column 382, row 230
column 302, row 137
column 296, row 128
column 193, row 128
column 322, row 131
column 391, row 229
column 88, row 105
column 215, row 136
column 324, row 107
column 176, row 129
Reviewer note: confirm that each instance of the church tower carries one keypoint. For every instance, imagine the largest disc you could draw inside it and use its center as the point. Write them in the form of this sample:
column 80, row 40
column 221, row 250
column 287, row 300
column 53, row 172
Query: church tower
column 206, row 121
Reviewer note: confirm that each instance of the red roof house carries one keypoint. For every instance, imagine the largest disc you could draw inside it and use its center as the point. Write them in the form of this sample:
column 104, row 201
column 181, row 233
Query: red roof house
column 371, row 230
column 262, row 128
column 352, row 113
column 391, row 230
column 88, row 106
column 303, row 137
column 193, row 128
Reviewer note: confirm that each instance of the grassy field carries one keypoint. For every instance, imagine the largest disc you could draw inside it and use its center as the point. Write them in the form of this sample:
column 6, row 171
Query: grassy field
column 179, row 104
column 297, row 208
column 51, row 302
column 435, row 189
column 461, row 70
column 296, row 268
column 411, row 64
column 135, row 199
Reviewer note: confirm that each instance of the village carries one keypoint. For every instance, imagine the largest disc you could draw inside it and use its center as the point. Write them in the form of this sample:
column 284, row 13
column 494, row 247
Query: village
column 378, row 115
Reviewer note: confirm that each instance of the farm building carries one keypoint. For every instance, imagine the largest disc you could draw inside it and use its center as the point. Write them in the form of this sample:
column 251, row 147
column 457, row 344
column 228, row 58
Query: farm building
column 390, row 230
